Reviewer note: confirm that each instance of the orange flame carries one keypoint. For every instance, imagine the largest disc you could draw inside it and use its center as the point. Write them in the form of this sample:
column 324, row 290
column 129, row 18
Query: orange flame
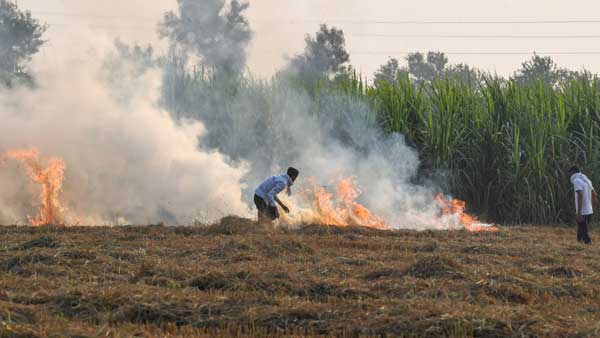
column 50, row 178
column 454, row 207
column 339, row 208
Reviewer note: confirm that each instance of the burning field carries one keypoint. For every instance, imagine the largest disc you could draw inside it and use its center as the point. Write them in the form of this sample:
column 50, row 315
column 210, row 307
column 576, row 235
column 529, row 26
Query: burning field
column 235, row 278
column 100, row 134
column 331, row 267
column 315, row 205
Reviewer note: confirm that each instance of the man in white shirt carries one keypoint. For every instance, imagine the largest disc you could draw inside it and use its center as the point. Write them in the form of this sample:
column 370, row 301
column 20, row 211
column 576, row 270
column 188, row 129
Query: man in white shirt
column 585, row 196
column 265, row 196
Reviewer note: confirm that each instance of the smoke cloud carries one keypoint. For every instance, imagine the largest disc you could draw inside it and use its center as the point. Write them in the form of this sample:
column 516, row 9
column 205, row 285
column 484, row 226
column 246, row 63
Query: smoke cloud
column 275, row 124
column 127, row 160
column 201, row 155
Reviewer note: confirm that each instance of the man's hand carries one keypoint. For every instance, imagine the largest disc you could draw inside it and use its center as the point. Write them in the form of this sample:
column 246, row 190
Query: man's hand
column 579, row 218
column 283, row 206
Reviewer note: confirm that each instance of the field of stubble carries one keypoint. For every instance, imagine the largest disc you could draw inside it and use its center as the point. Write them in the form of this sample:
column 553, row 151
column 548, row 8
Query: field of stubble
column 239, row 279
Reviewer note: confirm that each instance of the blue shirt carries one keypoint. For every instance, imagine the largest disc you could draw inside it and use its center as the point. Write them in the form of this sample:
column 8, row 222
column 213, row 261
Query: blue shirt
column 273, row 186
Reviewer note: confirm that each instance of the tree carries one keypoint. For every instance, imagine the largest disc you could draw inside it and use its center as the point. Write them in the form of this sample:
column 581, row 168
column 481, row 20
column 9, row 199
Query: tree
column 20, row 39
column 425, row 69
column 217, row 33
column 143, row 57
column 422, row 69
column 540, row 68
column 389, row 72
column 465, row 74
column 324, row 56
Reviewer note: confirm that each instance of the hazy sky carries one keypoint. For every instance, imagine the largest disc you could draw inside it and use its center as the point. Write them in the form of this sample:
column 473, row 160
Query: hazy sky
column 280, row 27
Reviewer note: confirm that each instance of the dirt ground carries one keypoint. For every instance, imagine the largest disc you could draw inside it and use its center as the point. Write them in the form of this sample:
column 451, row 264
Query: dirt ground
column 236, row 278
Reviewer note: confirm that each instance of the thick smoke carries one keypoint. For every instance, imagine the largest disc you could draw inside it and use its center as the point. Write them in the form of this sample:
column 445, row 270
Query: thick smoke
column 127, row 160
column 274, row 124
column 273, row 127
column 130, row 161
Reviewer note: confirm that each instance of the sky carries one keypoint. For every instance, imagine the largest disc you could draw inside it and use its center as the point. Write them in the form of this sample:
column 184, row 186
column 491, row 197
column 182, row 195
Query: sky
column 372, row 28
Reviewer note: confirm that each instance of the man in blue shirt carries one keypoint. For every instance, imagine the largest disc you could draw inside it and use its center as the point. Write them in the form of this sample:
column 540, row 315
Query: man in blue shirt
column 265, row 196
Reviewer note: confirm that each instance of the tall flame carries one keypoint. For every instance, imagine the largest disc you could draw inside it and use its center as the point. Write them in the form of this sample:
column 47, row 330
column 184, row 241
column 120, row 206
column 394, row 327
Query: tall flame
column 339, row 208
column 456, row 208
column 50, row 178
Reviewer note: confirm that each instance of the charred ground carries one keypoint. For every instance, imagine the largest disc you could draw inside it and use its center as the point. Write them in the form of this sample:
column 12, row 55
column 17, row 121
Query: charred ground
column 237, row 278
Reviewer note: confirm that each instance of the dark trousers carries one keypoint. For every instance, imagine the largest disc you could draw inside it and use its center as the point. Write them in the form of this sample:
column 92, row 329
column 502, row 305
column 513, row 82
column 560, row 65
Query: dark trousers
column 265, row 211
column 583, row 229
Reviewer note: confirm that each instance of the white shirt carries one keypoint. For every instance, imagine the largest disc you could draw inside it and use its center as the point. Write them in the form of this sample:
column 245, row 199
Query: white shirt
column 583, row 184
column 273, row 186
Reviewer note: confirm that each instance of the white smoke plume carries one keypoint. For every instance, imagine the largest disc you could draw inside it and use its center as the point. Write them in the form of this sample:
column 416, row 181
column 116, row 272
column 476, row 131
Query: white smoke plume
column 329, row 135
column 127, row 160
column 130, row 161
column 274, row 124
column 337, row 143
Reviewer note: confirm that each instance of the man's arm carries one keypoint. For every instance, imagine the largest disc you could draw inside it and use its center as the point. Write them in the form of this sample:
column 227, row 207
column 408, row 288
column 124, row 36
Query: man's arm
column 272, row 195
column 283, row 206
column 579, row 204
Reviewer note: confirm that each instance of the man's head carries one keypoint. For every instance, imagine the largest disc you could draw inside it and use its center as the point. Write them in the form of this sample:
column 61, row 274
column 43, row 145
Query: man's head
column 293, row 173
column 572, row 171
